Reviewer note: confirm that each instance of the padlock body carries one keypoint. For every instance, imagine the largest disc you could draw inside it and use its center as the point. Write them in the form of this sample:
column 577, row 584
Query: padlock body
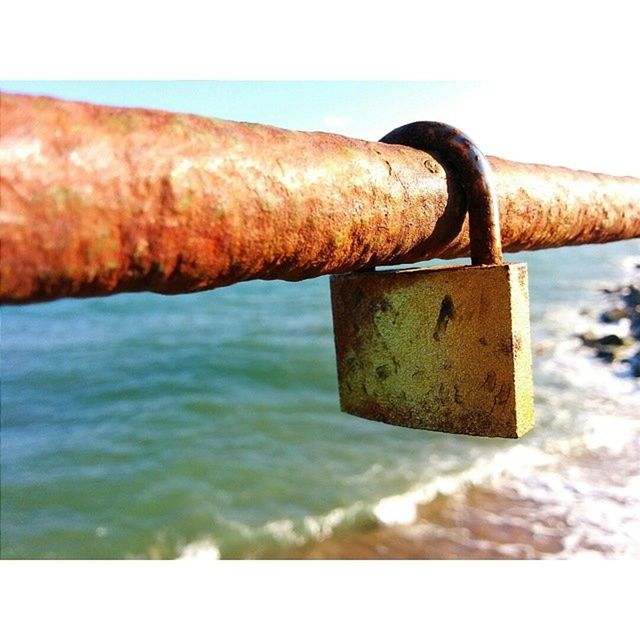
column 444, row 349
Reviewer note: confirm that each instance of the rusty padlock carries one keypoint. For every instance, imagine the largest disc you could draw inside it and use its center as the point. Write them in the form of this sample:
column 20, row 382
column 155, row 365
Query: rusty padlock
column 444, row 348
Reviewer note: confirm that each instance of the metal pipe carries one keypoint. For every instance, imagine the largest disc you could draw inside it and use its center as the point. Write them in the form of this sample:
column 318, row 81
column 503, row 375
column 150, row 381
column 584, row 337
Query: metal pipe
column 98, row 200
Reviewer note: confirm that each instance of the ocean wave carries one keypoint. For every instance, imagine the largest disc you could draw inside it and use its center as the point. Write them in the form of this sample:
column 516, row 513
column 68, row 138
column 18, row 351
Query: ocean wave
column 265, row 539
column 403, row 508
column 540, row 471
column 204, row 549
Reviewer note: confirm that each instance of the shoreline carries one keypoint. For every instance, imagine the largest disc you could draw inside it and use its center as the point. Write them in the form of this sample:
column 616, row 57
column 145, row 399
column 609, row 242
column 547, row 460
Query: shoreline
column 518, row 518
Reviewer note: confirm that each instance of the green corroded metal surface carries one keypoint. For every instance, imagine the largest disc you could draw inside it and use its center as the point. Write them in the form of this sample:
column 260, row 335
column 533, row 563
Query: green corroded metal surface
column 444, row 349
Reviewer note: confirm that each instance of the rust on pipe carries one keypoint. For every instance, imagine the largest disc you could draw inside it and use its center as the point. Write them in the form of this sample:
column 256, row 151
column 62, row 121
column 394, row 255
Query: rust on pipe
column 98, row 200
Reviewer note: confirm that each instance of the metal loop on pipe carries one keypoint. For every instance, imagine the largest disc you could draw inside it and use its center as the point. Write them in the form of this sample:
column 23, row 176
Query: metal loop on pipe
column 459, row 155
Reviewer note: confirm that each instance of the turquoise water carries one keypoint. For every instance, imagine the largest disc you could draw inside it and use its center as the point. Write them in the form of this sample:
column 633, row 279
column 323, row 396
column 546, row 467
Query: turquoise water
column 149, row 426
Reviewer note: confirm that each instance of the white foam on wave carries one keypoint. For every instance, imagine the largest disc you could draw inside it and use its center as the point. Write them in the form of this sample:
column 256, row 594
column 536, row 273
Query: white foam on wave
column 613, row 433
column 324, row 526
column 630, row 265
column 296, row 533
column 283, row 531
column 287, row 532
column 403, row 508
column 204, row 549
column 585, row 511
column 526, row 470
column 601, row 518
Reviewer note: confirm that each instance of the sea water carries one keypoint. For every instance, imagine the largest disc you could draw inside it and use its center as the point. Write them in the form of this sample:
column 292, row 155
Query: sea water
column 208, row 425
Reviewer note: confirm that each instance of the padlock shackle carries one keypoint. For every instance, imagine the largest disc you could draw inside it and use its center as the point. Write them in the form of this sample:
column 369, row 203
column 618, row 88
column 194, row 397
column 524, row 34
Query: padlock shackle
column 460, row 156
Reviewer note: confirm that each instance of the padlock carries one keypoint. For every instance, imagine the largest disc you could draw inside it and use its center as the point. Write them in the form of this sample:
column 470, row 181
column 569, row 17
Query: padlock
column 440, row 348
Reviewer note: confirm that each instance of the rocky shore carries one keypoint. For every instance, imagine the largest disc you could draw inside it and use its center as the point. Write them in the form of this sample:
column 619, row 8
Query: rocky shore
column 622, row 343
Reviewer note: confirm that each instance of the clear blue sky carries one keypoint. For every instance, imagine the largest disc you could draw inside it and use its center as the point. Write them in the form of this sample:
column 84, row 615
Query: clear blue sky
column 591, row 126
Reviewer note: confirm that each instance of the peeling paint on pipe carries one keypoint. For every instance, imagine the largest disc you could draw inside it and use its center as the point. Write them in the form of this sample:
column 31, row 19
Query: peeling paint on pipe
column 98, row 200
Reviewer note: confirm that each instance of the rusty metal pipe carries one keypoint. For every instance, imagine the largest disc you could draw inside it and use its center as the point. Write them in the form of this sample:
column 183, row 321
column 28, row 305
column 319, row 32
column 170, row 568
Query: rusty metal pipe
column 98, row 200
